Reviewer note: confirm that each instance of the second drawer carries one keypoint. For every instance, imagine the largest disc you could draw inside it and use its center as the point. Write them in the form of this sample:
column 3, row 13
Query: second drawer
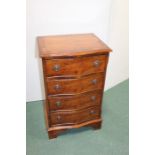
column 75, row 101
column 73, row 86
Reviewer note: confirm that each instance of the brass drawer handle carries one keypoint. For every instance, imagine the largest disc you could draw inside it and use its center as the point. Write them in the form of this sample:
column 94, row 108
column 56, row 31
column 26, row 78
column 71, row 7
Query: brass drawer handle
column 57, row 87
column 58, row 103
column 96, row 63
column 92, row 112
column 93, row 98
column 94, row 81
column 58, row 118
column 56, row 68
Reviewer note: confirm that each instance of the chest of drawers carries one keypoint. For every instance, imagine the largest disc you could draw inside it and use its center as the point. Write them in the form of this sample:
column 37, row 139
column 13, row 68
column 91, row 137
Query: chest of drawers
column 74, row 70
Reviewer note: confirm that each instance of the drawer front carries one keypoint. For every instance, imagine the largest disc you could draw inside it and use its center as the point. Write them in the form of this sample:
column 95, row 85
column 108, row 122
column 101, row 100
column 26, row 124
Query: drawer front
column 75, row 101
column 64, row 118
column 75, row 66
column 71, row 86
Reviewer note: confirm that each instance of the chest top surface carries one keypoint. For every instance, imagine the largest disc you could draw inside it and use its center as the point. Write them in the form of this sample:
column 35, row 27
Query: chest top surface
column 71, row 45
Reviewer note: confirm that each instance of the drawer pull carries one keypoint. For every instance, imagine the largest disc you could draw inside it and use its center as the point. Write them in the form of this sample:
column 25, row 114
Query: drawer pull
column 96, row 63
column 57, row 87
column 94, row 81
column 92, row 112
column 93, row 98
column 58, row 103
column 58, row 118
column 56, row 68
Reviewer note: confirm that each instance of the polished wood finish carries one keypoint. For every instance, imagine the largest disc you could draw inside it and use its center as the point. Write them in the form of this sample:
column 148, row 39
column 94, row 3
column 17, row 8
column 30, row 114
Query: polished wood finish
column 75, row 66
column 71, row 86
column 74, row 69
column 71, row 45
column 78, row 101
column 53, row 132
column 74, row 116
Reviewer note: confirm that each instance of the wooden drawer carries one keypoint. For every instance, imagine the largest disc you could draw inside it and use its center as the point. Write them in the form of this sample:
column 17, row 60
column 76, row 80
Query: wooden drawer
column 75, row 101
column 74, row 117
column 72, row 86
column 75, row 66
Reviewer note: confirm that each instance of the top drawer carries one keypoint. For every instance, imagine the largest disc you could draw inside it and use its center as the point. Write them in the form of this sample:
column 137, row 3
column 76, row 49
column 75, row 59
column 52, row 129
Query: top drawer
column 75, row 66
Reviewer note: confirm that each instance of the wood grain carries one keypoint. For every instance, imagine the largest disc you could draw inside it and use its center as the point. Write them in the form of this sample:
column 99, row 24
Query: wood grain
column 74, row 70
column 53, row 132
column 75, row 66
column 71, row 45
column 72, row 86
column 74, row 117
column 71, row 102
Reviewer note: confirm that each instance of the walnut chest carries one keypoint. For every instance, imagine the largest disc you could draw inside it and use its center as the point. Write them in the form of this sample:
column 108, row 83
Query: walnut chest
column 74, row 68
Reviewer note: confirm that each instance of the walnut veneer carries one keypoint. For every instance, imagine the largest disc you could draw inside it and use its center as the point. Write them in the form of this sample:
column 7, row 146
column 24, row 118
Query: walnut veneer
column 74, row 69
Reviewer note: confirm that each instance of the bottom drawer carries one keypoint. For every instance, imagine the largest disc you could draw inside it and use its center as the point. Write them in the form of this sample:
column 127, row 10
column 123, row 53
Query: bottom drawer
column 74, row 117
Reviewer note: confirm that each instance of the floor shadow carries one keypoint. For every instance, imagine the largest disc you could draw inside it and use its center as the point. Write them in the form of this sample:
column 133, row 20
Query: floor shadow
column 75, row 131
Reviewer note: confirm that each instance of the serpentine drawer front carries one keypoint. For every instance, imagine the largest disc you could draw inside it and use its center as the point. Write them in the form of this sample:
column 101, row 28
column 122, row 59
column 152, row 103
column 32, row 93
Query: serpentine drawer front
column 71, row 102
column 75, row 66
column 71, row 86
column 74, row 70
column 70, row 118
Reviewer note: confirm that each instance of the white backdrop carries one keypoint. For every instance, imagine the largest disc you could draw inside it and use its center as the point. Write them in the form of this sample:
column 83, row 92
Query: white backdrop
column 108, row 19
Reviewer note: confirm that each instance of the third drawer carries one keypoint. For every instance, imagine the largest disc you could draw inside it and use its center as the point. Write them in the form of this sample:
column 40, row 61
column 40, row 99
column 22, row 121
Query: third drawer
column 75, row 101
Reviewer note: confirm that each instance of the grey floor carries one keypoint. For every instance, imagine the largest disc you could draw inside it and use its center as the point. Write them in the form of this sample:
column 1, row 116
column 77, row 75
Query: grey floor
column 111, row 139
